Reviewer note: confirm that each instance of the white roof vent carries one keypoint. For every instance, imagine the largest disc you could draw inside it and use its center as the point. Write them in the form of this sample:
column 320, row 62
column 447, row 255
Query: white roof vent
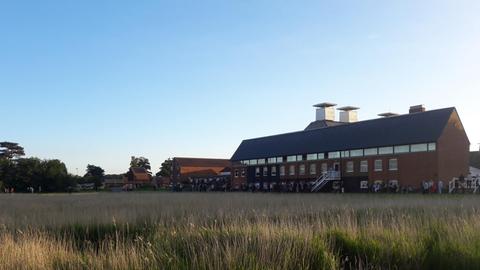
column 325, row 111
column 348, row 114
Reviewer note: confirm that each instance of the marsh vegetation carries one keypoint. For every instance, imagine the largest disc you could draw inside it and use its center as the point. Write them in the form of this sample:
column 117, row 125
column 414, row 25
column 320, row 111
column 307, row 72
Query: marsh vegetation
column 239, row 231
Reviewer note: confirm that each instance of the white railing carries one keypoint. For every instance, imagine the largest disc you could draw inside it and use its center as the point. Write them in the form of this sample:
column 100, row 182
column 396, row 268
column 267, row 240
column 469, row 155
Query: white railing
column 323, row 179
column 468, row 184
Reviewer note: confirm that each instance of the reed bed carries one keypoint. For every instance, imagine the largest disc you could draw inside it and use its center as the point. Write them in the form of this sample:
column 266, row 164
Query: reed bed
column 239, row 231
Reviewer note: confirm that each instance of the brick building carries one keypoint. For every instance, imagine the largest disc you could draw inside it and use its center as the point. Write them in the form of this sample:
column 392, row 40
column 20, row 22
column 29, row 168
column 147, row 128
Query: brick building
column 186, row 169
column 394, row 151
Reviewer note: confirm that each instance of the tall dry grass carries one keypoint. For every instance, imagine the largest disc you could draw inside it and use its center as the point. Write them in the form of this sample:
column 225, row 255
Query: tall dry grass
column 239, row 231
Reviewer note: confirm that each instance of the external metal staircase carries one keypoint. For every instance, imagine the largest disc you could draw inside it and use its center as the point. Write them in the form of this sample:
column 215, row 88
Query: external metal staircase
column 469, row 184
column 323, row 179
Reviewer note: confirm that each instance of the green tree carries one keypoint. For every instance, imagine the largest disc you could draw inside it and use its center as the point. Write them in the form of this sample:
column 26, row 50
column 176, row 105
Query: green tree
column 10, row 150
column 166, row 168
column 140, row 162
column 94, row 175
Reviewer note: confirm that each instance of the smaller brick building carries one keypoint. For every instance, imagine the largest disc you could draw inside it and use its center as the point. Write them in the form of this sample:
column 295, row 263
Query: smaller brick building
column 185, row 168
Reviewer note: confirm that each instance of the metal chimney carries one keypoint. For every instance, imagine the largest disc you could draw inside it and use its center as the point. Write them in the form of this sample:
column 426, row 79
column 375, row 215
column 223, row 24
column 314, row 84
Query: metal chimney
column 325, row 111
column 348, row 114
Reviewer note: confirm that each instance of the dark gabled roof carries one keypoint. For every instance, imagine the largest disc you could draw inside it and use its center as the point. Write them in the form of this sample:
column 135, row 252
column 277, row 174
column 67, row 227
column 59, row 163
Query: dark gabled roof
column 323, row 124
column 202, row 162
column 396, row 130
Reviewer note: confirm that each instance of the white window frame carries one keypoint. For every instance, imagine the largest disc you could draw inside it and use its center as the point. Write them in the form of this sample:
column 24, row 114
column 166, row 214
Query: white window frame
column 393, row 168
column 313, row 169
column 364, row 166
column 376, row 168
column 301, row 169
column 350, row 168
column 282, row 170
column 273, row 171
column 291, row 170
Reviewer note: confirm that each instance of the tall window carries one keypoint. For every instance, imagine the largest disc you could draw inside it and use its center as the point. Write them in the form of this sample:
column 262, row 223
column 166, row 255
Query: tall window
column 324, row 167
column 364, row 166
column 274, row 171
column 265, row 171
column 393, row 164
column 378, row 165
column 243, row 173
column 282, row 170
column 257, row 171
column 350, row 167
column 302, row 169
column 313, row 169
column 236, row 173
column 291, row 170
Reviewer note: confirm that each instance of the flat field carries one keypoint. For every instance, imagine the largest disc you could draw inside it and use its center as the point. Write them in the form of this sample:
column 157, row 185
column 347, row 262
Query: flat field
column 239, row 231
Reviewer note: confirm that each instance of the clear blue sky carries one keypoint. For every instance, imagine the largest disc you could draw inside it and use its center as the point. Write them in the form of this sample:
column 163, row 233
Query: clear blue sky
column 95, row 82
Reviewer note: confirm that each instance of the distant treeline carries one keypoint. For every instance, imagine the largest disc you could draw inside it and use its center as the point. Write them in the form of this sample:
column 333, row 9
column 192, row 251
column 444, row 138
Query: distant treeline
column 41, row 175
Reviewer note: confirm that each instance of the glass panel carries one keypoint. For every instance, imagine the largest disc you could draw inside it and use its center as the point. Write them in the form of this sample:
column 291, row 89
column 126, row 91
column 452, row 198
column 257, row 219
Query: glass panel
column 313, row 169
column 274, row 171
column 402, row 149
column 378, row 165
column 261, row 161
column 345, row 154
column 272, row 160
column 291, row 170
column 253, row 162
column 282, row 170
column 421, row 147
column 432, row 147
column 371, row 152
column 385, row 150
column 312, row 157
column 334, row 154
column 356, row 153
column 291, row 158
column 302, row 169
column 321, row 156
column 350, row 166
column 299, row 158
column 364, row 166
column 393, row 164
column 279, row 159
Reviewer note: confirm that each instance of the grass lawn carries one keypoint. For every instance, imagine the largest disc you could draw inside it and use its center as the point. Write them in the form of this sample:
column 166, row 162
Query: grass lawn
column 161, row 230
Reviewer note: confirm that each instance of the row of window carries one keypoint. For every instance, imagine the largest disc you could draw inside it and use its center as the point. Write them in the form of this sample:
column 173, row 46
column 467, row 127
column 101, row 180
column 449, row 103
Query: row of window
column 350, row 168
column 389, row 150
